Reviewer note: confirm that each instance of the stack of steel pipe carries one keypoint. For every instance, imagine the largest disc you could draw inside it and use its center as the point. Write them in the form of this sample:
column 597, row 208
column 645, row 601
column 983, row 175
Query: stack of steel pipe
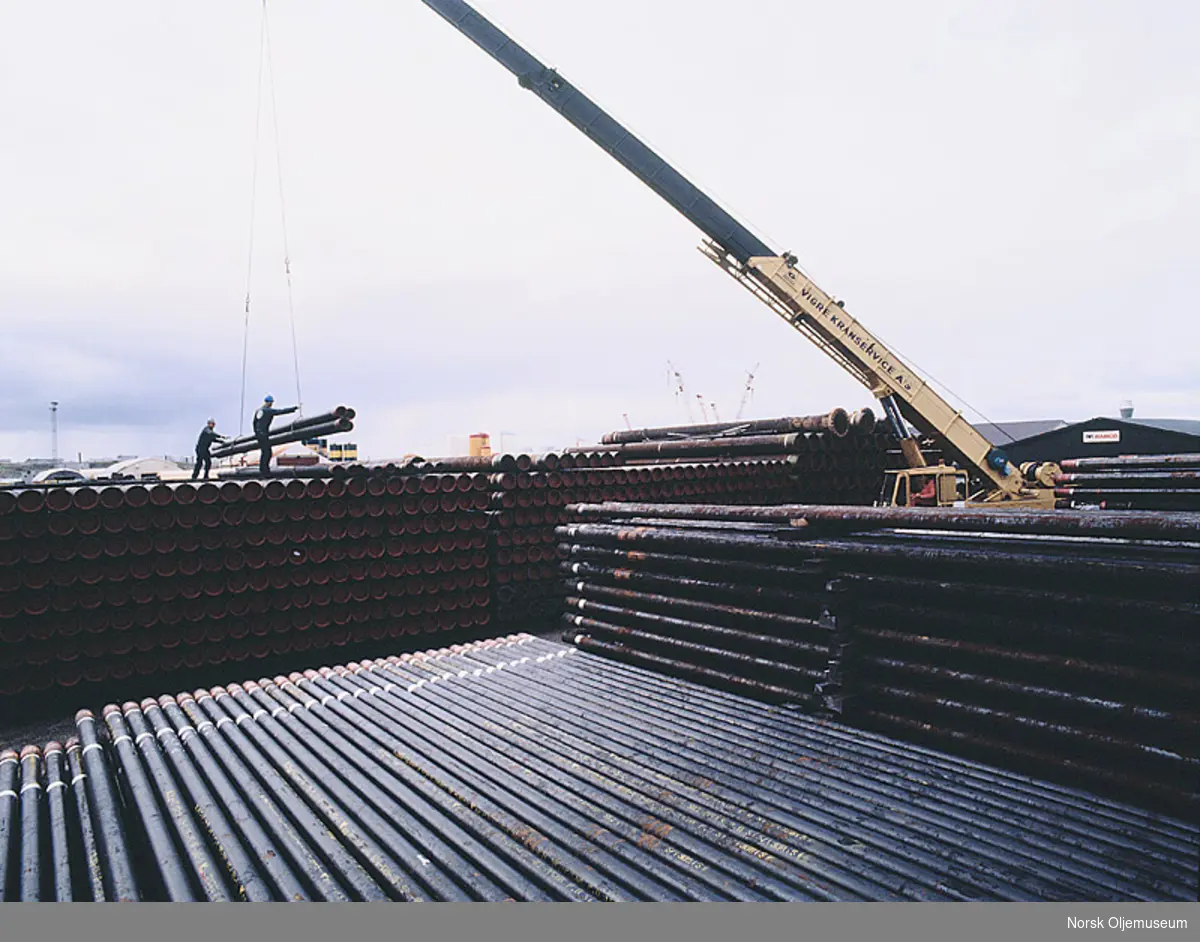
column 63, row 826
column 103, row 584
column 838, row 457
column 1141, row 482
column 1063, row 643
column 333, row 422
column 528, row 504
column 520, row 769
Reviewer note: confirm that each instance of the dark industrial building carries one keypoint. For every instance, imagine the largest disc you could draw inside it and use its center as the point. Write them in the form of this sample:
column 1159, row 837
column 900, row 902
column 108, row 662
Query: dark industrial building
column 1101, row 437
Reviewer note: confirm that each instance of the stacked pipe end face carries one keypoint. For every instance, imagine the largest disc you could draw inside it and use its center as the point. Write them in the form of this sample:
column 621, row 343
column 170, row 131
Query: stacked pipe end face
column 1061, row 644
column 101, row 584
column 104, row 583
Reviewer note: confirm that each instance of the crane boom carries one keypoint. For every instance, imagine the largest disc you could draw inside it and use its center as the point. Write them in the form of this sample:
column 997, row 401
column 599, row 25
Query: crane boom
column 771, row 276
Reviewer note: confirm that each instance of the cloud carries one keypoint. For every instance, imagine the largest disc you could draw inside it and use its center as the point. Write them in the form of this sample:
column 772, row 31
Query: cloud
column 978, row 181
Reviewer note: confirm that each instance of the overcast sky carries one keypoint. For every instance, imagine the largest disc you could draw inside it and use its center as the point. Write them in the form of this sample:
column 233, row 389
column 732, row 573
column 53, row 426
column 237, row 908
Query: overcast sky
column 1009, row 193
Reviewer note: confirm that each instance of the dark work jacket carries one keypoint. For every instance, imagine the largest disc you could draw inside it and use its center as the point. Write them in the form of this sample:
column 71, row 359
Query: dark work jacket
column 206, row 439
column 263, row 417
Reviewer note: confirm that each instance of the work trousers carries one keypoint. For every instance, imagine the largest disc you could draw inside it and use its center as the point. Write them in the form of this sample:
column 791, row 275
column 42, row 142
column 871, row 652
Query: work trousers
column 264, row 457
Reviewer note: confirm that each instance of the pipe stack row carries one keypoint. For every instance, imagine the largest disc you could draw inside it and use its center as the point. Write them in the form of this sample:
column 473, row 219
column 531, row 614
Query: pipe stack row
column 1064, row 644
column 334, row 422
column 103, row 584
column 529, row 505
column 520, row 769
column 63, row 825
column 834, row 458
column 1140, row 482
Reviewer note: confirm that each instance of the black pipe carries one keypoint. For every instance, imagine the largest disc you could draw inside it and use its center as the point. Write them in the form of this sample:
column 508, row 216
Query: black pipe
column 89, row 851
column 154, row 823
column 454, row 822
column 546, row 826
column 420, row 823
column 561, row 712
column 627, row 839
column 1147, row 526
column 325, row 418
column 1132, row 461
column 214, row 813
column 56, row 804
column 905, row 551
column 284, row 438
column 32, row 834
column 773, row 692
column 338, row 808
column 120, row 883
column 308, row 843
column 760, row 729
column 641, row 708
column 750, row 445
column 727, row 872
column 677, row 634
column 683, row 588
column 186, row 809
column 745, row 572
column 782, row 628
column 9, row 825
column 837, row 422
column 819, row 875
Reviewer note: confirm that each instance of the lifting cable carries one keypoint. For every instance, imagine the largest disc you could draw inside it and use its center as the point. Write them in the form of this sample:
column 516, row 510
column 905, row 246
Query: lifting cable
column 265, row 64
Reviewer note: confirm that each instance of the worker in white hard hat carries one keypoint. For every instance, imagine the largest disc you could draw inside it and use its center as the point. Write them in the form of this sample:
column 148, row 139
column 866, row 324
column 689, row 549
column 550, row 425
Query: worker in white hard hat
column 204, row 444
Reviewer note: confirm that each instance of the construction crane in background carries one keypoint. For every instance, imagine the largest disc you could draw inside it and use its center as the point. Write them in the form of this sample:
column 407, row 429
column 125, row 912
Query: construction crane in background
column 748, row 392
column 676, row 380
column 776, row 279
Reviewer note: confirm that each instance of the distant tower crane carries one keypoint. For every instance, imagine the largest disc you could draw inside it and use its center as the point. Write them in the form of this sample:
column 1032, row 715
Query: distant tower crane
column 748, row 393
column 676, row 381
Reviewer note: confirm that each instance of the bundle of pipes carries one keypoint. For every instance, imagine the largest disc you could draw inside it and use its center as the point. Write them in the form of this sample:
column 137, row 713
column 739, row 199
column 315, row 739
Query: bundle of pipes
column 528, row 505
column 838, row 457
column 838, row 422
column 63, row 825
column 1142, row 482
column 1062, row 643
column 521, row 769
column 102, row 584
column 333, row 422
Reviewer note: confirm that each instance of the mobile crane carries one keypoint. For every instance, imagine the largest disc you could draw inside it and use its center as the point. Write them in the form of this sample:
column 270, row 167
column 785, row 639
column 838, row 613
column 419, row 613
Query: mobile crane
column 776, row 279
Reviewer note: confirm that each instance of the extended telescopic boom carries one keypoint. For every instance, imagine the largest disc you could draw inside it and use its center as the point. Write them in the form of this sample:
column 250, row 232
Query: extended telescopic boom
column 771, row 276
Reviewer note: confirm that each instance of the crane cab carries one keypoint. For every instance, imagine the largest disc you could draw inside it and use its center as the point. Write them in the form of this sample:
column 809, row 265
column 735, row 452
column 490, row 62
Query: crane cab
column 934, row 486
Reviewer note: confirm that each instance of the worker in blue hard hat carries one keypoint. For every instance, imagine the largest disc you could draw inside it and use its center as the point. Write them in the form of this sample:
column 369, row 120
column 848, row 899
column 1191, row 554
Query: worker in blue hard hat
column 262, row 430
column 204, row 443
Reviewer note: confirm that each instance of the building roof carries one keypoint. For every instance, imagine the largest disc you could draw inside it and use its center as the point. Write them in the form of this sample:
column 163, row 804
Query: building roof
column 1184, row 426
column 1002, row 433
column 1007, row 433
